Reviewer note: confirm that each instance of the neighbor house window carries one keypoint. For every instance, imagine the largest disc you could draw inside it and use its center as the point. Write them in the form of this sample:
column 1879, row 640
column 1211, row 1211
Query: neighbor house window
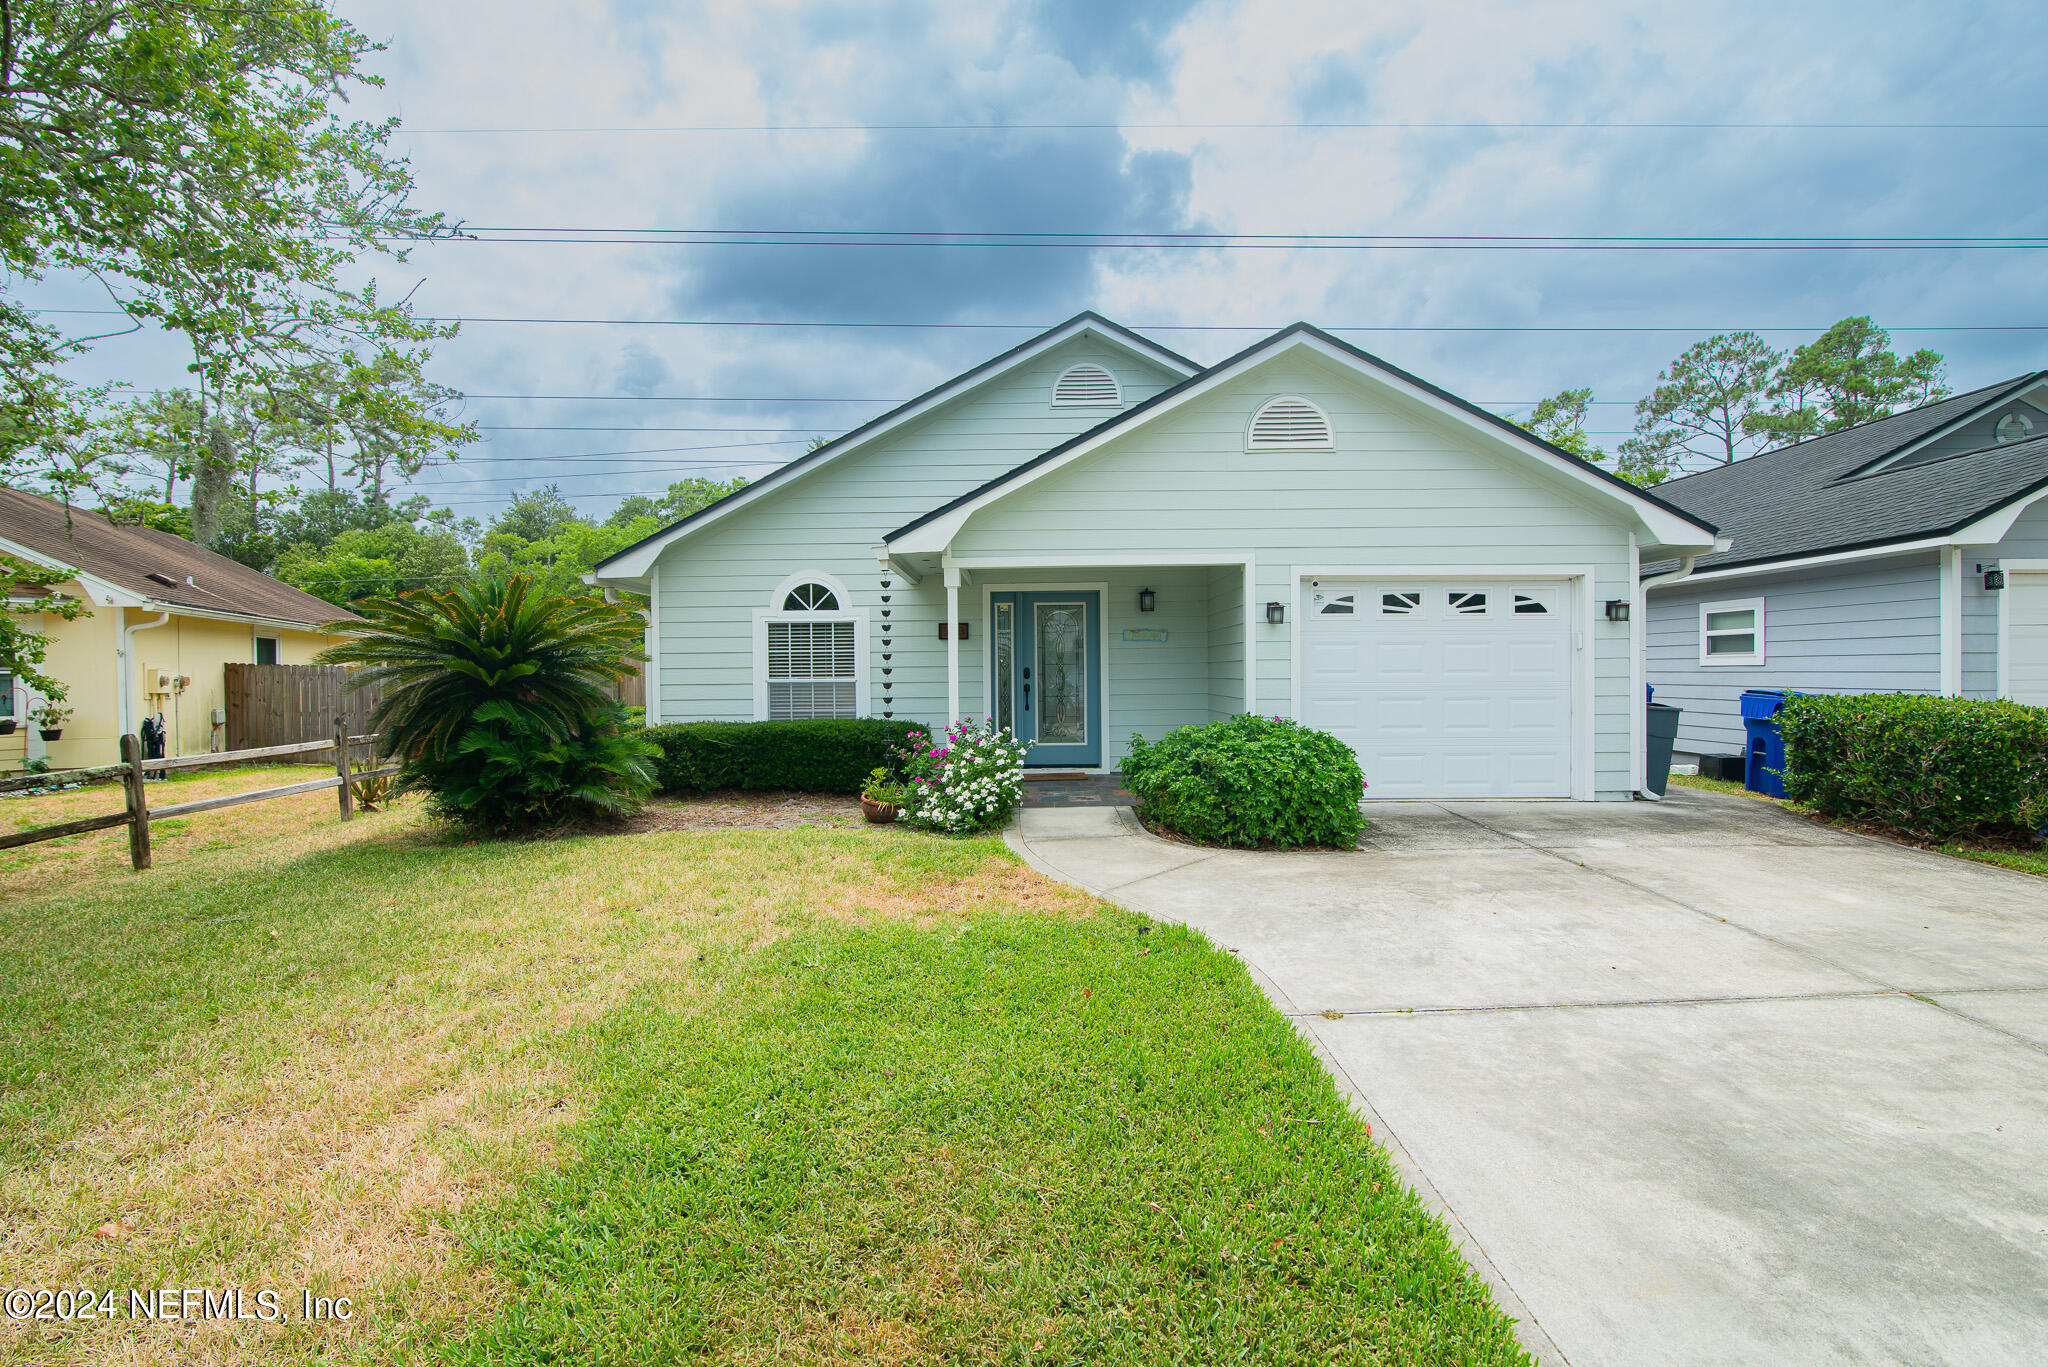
column 7, row 696
column 810, row 650
column 1732, row 632
column 266, row 650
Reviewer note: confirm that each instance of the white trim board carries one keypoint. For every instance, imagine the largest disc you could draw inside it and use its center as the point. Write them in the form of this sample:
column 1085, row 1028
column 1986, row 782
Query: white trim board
column 636, row 562
column 1662, row 526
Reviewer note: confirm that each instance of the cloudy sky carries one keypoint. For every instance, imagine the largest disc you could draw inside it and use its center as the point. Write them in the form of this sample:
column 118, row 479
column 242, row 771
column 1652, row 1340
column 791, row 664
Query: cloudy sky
column 1233, row 116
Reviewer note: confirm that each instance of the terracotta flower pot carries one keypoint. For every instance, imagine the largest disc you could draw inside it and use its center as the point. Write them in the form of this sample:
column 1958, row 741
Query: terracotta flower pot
column 881, row 813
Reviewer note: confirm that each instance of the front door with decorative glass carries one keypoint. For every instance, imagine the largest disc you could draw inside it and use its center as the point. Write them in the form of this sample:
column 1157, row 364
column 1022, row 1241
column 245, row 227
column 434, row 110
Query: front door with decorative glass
column 1045, row 673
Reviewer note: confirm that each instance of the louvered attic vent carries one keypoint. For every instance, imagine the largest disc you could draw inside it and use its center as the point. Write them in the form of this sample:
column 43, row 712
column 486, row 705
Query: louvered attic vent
column 1086, row 385
column 1289, row 424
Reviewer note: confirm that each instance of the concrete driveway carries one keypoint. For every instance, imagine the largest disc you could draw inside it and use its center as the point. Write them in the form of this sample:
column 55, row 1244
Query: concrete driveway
column 1695, row 1081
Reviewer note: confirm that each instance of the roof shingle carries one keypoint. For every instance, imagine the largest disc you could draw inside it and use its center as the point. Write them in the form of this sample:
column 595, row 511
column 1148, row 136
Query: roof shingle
column 1807, row 499
column 127, row 557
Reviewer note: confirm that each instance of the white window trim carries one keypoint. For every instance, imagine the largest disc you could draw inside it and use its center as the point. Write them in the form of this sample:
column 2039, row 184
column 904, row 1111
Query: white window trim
column 1115, row 384
column 1252, row 425
column 782, row 590
column 847, row 612
column 1750, row 659
column 859, row 618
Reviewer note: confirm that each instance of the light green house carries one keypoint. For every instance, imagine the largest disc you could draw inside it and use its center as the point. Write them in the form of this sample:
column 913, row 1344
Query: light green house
column 1089, row 536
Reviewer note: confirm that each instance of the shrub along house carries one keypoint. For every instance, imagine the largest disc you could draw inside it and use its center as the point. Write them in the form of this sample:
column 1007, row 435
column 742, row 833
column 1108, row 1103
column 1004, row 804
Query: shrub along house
column 1906, row 555
column 1089, row 536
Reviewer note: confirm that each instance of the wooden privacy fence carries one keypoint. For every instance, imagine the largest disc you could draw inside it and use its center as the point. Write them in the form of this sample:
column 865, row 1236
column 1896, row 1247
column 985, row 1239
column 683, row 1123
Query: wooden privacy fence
column 137, row 813
column 272, row 705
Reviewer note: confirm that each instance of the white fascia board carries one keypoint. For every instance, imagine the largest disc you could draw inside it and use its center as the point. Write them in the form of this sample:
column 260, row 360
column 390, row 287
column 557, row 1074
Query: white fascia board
column 1657, row 526
column 1809, row 562
column 1994, row 525
column 638, row 562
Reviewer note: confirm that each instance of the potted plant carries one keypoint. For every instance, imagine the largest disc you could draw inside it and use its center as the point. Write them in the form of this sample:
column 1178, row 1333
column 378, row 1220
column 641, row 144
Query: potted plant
column 881, row 797
column 50, row 718
column 6, row 726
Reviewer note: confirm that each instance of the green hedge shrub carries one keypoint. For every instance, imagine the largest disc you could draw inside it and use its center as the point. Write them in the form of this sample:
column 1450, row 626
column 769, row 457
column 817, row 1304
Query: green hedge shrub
column 1250, row 781
column 1938, row 768
column 800, row 756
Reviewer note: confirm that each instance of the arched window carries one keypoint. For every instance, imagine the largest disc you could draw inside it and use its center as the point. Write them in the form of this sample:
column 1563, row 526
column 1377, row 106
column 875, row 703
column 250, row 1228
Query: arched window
column 1086, row 385
column 810, row 596
column 810, row 651
column 1290, row 423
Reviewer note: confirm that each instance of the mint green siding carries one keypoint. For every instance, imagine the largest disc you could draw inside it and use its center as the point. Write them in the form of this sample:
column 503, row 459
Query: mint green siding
column 1404, row 489
column 710, row 583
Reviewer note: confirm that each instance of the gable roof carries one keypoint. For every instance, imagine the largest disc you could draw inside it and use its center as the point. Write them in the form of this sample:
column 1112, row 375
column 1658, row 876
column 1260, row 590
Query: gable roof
column 1821, row 496
column 632, row 562
column 1222, row 370
column 126, row 557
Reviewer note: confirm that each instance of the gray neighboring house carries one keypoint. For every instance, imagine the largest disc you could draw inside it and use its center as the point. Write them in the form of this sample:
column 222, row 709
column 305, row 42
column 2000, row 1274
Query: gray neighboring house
column 1870, row 560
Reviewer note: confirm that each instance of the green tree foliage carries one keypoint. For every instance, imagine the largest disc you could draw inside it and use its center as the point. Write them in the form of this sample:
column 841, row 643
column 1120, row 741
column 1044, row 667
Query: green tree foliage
column 23, row 646
column 498, row 701
column 1561, row 421
column 682, row 498
column 1702, row 408
column 1847, row 375
column 380, row 561
column 189, row 156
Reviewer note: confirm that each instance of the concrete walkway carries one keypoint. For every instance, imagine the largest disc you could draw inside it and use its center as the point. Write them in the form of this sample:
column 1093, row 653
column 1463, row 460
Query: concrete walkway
column 1694, row 1081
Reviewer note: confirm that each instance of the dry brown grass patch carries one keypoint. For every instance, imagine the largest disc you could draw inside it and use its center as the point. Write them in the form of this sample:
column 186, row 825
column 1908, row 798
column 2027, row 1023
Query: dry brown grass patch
column 323, row 1135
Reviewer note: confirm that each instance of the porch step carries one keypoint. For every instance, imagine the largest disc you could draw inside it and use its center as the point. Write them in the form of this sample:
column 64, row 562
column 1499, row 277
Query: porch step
column 1049, row 775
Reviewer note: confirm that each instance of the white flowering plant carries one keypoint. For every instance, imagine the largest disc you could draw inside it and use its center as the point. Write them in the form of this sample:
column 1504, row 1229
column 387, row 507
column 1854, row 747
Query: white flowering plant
column 969, row 779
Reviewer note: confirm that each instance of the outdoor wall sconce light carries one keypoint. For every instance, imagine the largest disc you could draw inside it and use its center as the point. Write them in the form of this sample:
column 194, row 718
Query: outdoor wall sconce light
column 942, row 631
column 1994, row 580
column 1617, row 609
column 1147, row 600
column 1276, row 613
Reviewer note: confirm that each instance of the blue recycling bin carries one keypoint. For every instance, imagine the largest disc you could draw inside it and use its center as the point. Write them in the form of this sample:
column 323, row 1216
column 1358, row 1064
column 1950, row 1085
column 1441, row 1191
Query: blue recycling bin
column 1764, row 755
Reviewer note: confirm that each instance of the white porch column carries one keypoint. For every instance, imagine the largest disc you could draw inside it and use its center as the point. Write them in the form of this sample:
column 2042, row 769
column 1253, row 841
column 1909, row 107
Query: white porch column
column 952, row 646
column 1951, row 621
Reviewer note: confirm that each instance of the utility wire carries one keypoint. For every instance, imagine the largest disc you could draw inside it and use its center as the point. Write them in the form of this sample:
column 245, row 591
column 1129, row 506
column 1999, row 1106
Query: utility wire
column 1468, row 125
column 1259, row 328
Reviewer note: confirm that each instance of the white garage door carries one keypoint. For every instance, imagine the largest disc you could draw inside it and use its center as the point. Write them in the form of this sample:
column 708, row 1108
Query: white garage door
column 1458, row 688
column 2026, row 637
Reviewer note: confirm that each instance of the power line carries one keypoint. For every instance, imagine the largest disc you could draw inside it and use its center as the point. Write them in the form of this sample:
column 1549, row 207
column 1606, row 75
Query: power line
column 956, row 235
column 1258, row 328
column 1219, row 242
column 1397, row 125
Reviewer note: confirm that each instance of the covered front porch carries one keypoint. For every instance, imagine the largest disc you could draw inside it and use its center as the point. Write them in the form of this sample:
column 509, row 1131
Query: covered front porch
column 1076, row 656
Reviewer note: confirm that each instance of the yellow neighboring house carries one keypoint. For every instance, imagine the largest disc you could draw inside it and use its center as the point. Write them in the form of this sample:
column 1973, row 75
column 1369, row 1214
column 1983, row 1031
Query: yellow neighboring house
column 166, row 618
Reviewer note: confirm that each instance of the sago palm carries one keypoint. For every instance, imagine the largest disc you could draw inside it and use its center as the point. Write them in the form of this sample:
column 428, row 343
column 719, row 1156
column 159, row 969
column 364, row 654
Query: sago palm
column 552, row 662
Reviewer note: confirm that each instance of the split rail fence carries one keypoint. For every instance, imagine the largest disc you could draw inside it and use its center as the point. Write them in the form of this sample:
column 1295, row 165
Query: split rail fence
column 133, row 769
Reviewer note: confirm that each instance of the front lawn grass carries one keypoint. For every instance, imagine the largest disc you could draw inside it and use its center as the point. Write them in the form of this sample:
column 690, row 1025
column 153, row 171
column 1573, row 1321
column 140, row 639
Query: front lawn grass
column 801, row 1096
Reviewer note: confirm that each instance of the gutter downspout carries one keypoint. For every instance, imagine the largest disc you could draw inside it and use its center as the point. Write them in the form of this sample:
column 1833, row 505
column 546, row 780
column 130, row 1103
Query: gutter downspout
column 1638, row 611
column 124, row 672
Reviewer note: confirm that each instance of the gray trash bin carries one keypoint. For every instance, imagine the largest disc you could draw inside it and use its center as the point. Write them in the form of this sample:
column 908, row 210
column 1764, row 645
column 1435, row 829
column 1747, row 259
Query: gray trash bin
column 1661, row 732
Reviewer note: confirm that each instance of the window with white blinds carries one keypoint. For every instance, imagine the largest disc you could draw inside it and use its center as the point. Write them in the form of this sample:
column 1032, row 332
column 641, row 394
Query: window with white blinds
column 813, row 670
